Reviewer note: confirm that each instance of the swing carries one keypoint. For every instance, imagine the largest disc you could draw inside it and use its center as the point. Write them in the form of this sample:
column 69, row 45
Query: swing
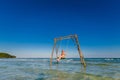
column 62, row 55
column 74, row 38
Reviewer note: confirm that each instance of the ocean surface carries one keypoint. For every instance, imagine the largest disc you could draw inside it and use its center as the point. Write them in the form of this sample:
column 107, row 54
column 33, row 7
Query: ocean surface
column 67, row 69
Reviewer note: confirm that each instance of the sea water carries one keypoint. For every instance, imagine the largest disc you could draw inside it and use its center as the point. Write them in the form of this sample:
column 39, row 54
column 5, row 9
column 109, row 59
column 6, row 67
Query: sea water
column 67, row 69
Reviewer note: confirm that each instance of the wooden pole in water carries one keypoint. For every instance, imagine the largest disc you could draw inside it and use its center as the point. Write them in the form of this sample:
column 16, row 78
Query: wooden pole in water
column 80, row 53
column 52, row 52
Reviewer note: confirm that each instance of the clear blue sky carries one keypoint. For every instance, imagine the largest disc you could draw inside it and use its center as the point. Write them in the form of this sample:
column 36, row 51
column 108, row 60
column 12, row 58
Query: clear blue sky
column 27, row 27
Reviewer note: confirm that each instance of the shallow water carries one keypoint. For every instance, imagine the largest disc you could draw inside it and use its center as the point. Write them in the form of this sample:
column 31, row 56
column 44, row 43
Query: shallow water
column 68, row 69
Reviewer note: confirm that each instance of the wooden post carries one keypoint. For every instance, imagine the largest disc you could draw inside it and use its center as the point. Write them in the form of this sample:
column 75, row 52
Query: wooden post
column 80, row 53
column 53, row 52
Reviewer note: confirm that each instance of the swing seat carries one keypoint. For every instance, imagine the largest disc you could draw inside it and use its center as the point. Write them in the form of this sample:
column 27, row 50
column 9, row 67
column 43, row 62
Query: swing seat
column 63, row 58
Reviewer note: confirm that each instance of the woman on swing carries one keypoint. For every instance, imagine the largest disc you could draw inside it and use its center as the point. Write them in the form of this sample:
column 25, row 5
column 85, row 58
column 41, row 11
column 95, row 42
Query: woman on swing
column 62, row 56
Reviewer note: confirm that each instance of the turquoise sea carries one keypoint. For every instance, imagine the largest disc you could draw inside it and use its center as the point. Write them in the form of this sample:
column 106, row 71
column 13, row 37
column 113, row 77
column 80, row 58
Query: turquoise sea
column 67, row 69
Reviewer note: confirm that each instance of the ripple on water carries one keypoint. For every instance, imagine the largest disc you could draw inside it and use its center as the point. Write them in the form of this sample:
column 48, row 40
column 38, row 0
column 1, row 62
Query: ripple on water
column 38, row 69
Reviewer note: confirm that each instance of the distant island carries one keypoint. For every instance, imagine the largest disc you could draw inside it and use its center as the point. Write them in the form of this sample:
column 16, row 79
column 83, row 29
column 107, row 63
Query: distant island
column 6, row 55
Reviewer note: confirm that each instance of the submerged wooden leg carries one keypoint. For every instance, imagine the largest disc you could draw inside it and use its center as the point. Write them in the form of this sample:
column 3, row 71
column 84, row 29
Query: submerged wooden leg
column 80, row 53
column 52, row 52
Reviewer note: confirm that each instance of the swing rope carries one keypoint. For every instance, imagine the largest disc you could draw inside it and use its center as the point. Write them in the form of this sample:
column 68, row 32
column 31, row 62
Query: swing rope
column 57, row 48
column 67, row 44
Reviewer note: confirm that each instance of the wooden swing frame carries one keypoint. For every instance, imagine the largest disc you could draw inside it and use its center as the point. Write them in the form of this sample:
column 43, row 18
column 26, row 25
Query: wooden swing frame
column 75, row 38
